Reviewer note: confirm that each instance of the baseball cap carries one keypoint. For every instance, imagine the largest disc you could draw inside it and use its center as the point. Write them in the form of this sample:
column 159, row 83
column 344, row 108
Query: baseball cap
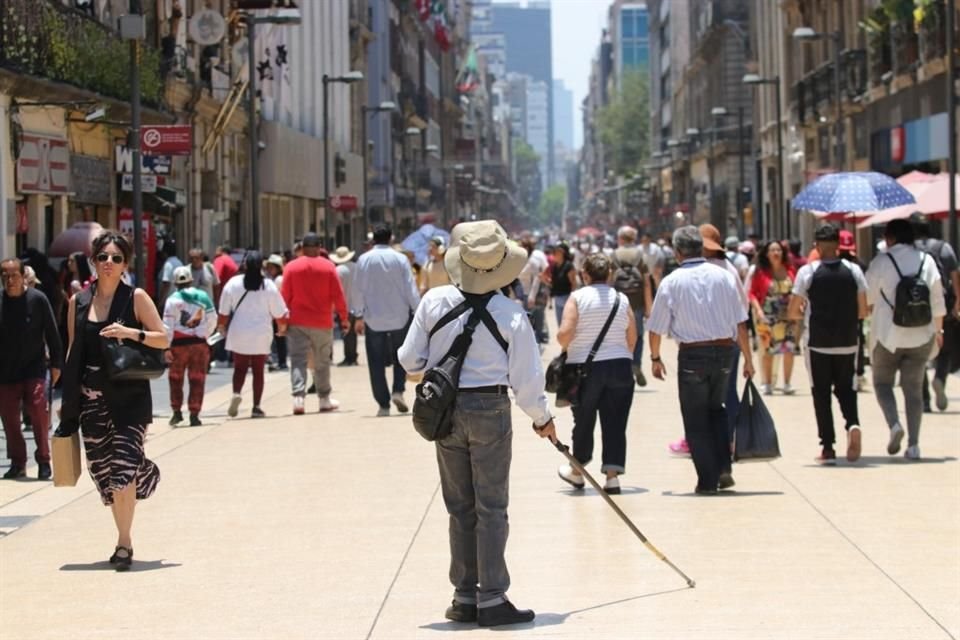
column 182, row 275
column 311, row 240
column 847, row 242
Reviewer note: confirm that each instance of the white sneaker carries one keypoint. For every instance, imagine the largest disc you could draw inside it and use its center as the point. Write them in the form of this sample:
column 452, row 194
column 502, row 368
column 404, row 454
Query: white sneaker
column 766, row 389
column 399, row 402
column 788, row 390
column 298, row 405
column 896, row 435
column 861, row 384
column 568, row 475
column 912, row 452
column 328, row 404
column 383, row 412
column 234, row 407
column 612, row 486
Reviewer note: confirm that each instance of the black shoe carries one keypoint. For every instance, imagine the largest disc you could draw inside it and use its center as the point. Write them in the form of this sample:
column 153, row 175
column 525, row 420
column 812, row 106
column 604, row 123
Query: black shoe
column 503, row 613
column 347, row 363
column 15, row 472
column 927, row 408
column 176, row 418
column 257, row 413
column 700, row 491
column 460, row 612
column 44, row 472
column 725, row 481
column 122, row 562
column 312, row 389
column 195, row 420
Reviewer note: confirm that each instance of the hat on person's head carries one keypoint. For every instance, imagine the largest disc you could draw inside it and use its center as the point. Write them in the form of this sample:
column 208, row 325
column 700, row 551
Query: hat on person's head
column 847, row 242
column 731, row 243
column 747, row 248
column 438, row 241
column 182, row 275
column 276, row 260
column 481, row 258
column 711, row 237
column 342, row 255
column 826, row 232
column 311, row 240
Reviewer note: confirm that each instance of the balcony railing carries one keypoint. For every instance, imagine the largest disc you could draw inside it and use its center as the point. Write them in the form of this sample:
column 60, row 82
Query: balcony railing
column 46, row 39
column 816, row 90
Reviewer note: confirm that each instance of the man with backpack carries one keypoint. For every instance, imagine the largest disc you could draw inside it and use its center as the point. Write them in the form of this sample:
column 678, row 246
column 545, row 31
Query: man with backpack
column 631, row 277
column 905, row 292
column 474, row 456
column 946, row 260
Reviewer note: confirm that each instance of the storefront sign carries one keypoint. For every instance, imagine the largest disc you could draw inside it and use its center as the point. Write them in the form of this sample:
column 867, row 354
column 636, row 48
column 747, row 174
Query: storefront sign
column 171, row 139
column 343, row 203
column 898, row 144
column 158, row 165
column 90, row 180
column 23, row 220
column 43, row 165
column 148, row 183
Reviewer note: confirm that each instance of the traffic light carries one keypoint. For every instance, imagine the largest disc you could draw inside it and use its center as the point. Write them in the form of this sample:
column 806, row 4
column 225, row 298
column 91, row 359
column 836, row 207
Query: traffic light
column 339, row 170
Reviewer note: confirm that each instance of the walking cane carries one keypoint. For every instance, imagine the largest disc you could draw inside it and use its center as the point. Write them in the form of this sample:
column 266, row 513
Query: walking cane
column 565, row 450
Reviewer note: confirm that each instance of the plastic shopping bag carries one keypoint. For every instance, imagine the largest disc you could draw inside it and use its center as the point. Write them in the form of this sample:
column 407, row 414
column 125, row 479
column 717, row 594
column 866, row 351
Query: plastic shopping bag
column 755, row 438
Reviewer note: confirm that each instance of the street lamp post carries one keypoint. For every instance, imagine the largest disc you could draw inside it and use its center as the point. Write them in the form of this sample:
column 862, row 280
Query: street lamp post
column 283, row 16
column 754, row 79
column 383, row 107
column 410, row 132
column 806, row 34
column 132, row 29
column 719, row 113
column 347, row 78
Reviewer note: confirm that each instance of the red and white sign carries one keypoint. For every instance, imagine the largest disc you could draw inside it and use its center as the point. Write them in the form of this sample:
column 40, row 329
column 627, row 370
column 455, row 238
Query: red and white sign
column 898, row 144
column 125, row 222
column 343, row 203
column 167, row 139
column 43, row 165
column 23, row 222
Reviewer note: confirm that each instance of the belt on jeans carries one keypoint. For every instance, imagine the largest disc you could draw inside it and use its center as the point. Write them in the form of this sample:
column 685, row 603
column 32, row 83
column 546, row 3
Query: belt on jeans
column 493, row 388
column 723, row 342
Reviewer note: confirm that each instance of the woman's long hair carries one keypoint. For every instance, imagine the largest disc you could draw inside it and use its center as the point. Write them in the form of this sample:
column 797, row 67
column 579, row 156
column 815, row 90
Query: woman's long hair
column 763, row 256
column 252, row 271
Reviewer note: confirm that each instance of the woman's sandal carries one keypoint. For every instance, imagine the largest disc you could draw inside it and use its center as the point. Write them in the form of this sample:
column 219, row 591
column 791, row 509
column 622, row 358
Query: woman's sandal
column 122, row 562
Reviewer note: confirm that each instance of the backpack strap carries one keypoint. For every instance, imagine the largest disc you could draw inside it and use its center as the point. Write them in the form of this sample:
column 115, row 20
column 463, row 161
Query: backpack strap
column 897, row 267
column 603, row 331
column 450, row 316
column 480, row 311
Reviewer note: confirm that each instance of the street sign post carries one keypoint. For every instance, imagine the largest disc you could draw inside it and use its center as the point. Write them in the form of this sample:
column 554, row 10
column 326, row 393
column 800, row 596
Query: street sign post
column 169, row 140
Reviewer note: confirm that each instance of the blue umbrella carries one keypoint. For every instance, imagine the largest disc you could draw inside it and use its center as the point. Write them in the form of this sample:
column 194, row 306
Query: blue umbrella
column 418, row 241
column 852, row 191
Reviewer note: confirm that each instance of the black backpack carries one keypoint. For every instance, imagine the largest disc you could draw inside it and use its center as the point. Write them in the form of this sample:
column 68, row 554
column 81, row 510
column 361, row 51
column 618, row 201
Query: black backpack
column 437, row 393
column 629, row 278
column 911, row 307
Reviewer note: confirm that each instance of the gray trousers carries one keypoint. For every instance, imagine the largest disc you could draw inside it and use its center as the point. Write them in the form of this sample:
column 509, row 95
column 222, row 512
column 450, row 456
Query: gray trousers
column 474, row 476
column 300, row 340
column 911, row 364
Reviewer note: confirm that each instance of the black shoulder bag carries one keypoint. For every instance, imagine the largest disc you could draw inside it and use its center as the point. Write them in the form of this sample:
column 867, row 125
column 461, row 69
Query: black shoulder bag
column 566, row 379
column 128, row 361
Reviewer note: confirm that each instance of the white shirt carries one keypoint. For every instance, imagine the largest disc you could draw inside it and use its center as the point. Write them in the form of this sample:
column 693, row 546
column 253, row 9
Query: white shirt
column 653, row 256
column 882, row 280
column 537, row 263
column 251, row 330
column 345, row 273
column 594, row 304
column 740, row 262
column 801, row 285
column 486, row 363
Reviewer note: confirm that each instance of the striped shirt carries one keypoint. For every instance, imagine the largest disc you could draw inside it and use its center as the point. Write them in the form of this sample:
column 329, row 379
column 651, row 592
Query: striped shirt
column 696, row 303
column 594, row 304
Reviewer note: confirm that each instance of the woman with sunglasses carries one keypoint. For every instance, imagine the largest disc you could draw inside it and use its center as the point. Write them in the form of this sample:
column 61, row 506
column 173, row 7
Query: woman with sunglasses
column 112, row 416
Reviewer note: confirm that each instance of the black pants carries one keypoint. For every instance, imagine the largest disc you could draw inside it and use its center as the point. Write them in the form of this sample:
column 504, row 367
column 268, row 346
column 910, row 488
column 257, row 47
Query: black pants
column 703, row 374
column 350, row 343
column 861, row 350
column 608, row 392
column 831, row 373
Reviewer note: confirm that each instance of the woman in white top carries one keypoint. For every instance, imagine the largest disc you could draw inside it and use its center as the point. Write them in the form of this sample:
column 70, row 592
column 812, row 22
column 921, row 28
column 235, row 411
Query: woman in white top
column 254, row 302
column 607, row 389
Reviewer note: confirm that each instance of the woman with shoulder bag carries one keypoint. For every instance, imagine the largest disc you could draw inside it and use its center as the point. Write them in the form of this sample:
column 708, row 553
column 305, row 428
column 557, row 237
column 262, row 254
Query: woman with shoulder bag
column 606, row 358
column 112, row 413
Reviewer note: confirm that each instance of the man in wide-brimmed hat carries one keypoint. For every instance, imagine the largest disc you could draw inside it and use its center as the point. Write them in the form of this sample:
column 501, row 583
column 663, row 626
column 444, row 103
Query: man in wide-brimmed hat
column 475, row 457
column 343, row 258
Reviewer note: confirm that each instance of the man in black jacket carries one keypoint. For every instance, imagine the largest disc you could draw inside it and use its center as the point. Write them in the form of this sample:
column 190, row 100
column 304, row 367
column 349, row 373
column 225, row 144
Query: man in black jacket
column 28, row 332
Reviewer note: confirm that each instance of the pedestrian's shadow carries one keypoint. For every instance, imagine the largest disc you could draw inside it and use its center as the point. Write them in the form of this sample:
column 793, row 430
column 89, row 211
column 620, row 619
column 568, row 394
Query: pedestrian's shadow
column 885, row 461
column 545, row 619
column 727, row 493
column 136, row 567
column 582, row 493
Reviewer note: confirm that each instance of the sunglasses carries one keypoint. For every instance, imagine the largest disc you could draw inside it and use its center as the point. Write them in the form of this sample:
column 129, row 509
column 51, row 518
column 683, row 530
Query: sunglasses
column 116, row 257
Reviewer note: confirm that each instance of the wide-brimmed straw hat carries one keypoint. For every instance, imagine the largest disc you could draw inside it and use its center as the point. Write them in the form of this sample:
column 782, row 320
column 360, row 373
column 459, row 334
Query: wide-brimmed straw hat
column 276, row 260
column 481, row 258
column 342, row 255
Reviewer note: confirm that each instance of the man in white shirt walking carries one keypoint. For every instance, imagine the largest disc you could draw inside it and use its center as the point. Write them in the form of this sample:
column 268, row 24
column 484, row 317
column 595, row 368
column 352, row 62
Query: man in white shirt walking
column 475, row 457
column 346, row 267
column 904, row 331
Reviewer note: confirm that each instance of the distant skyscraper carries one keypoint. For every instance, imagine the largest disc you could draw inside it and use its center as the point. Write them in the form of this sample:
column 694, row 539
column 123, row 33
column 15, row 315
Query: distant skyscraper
column 562, row 115
column 630, row 31
column 527, row 43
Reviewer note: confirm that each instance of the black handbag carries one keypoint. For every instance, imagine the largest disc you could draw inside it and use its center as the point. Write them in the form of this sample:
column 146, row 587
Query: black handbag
column 127, row 361
column 568, row 378
column 755, row 437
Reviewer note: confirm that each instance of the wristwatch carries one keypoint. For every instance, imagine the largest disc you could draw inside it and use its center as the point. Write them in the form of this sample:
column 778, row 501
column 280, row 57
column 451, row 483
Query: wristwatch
column 141, row 336
column 655, row 359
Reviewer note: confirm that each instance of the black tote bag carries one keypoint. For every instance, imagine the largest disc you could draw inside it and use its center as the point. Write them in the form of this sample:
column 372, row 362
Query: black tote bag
column 755, row 438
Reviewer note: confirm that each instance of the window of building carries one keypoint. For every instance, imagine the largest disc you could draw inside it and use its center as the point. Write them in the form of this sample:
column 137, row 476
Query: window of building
column 627, row 24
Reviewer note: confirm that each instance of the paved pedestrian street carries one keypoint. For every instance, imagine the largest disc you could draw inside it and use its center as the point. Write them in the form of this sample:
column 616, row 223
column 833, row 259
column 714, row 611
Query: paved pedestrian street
column 333, row 526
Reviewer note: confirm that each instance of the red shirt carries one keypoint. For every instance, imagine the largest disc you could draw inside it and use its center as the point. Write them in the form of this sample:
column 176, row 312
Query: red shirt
column 225, row 267
column 312, row 291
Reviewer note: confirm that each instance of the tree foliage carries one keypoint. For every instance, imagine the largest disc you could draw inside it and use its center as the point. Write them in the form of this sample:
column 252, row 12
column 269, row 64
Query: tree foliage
column 528, row 175
column 552, row 203
column 624, row 124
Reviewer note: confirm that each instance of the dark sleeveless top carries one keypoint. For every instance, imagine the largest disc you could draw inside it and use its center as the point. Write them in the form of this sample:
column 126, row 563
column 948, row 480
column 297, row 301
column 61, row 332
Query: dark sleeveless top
column 560, row 279
column 129, row 402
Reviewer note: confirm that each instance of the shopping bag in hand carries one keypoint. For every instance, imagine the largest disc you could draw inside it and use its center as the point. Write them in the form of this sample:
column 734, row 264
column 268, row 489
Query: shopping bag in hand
column 756, row 436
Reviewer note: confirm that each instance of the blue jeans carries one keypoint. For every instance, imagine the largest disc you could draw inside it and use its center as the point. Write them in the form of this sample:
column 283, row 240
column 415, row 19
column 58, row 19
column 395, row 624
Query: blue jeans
column 638, row 349
column 607, row 391
column 474, row 463
column 702, row 376
column 558, row 303
column 381, row 353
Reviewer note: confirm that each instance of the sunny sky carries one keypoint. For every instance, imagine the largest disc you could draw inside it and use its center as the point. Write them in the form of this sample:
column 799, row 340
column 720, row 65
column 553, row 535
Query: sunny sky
column 576, row 26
